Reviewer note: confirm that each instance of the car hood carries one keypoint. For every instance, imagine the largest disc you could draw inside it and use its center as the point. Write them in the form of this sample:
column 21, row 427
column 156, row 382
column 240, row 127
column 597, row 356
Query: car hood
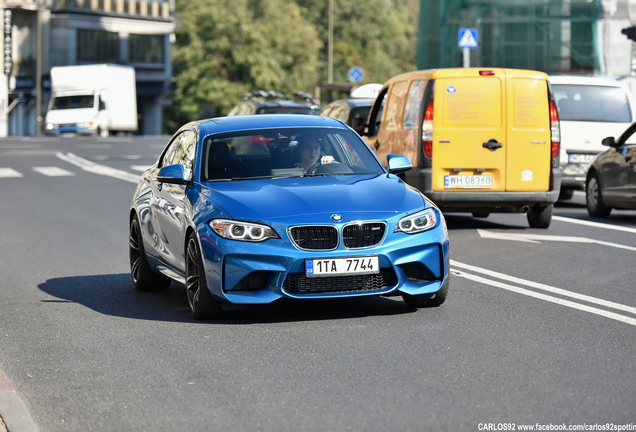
column 586, row 136
column 312, row 198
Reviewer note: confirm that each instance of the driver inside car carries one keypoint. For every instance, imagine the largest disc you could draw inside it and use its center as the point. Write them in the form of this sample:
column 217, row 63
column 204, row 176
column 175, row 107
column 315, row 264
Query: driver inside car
column 309, row 149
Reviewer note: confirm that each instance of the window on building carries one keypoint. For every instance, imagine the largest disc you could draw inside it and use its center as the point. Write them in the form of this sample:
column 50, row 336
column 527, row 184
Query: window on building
column 146, row 48
column 96, row 46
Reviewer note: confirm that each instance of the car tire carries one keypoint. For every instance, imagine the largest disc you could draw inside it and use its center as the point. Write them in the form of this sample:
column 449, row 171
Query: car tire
column 594, row 197
column 540, row 216
column 202, row 304
column 425, row 300
column 481, row 214
column 566, row 194
column 142, row 275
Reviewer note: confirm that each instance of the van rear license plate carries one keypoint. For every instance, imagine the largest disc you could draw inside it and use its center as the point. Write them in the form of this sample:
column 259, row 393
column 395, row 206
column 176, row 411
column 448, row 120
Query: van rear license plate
column 467, row 181
column 580, row 158
column 342, row 266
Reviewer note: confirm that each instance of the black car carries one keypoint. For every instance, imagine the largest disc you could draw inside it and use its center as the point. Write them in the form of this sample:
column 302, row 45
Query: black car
column 611, row 178
column 353, row 112
column 273, row 102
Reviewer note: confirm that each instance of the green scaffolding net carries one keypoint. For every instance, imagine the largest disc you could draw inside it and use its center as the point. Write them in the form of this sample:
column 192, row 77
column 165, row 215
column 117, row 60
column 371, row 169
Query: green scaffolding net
column 553, row 36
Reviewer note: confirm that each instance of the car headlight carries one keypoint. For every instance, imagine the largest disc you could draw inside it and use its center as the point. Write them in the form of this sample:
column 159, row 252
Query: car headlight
column 242, row 231
column 49, row 126
column 418, row 222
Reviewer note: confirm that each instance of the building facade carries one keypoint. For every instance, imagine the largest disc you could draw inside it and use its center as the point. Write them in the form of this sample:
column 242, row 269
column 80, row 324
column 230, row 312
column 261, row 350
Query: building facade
column 41, row 34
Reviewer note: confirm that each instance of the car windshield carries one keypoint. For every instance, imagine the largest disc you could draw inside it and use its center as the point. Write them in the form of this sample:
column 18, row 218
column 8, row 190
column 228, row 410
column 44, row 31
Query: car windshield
column 592, row 103
column 288, row 110
column 286, row 152
column 71, row 102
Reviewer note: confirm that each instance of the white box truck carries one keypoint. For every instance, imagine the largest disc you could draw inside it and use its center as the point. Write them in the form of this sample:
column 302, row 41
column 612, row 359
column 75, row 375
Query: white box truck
column 98, row 99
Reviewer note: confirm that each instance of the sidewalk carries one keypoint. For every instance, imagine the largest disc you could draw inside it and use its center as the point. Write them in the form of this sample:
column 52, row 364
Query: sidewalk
column 13, row 415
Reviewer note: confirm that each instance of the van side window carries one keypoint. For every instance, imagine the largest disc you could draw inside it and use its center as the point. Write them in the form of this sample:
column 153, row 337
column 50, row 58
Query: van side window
column 413, row 103
column 393, row 112
column 376, row 116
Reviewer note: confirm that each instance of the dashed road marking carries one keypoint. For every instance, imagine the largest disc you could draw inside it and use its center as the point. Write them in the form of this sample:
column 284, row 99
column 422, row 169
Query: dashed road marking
column 9, row 172
column 53, row 171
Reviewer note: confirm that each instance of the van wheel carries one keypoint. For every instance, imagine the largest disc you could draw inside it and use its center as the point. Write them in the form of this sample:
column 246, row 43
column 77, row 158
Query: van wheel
column 481, row 214
column 594, row 198
column 540, row 216
column 425, row 300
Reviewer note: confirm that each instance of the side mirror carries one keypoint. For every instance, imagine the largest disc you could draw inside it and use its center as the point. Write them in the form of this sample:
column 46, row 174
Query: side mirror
column 398, row 163
column 173, row 174
column 609, row 141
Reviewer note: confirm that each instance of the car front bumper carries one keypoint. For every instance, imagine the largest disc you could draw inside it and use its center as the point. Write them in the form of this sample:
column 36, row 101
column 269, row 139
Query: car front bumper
column 248, row 273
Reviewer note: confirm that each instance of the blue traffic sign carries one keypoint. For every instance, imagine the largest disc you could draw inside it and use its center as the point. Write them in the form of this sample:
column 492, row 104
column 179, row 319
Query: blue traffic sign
column 355, row 74
column 467, row 38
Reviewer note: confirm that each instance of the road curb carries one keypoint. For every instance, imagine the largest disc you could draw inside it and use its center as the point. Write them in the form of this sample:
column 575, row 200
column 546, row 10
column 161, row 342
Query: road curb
column 13, row 415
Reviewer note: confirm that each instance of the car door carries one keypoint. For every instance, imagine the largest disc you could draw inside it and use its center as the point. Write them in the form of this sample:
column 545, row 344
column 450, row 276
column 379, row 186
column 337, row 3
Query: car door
column 617, row 170
column 169, row 202
column 631, row 158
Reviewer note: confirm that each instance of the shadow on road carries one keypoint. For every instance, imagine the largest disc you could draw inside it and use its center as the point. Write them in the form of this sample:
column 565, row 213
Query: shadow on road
column 115, row 295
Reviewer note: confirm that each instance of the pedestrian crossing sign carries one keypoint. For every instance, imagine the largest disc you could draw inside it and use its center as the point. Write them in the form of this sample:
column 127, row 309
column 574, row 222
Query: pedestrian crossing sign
column 467, row 38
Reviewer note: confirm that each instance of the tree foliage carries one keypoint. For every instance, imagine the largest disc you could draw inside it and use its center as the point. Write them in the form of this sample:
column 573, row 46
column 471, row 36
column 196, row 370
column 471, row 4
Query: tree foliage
column 225, row 49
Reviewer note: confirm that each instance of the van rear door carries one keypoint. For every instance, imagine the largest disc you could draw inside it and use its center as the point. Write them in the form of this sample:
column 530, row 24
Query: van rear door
column 491, row 131
column 469, row 111
column 528, row 156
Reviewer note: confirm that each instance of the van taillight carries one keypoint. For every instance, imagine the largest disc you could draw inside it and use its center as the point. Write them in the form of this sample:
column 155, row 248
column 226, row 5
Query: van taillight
column 555, row 131
column 486, row 73
column 427, row 130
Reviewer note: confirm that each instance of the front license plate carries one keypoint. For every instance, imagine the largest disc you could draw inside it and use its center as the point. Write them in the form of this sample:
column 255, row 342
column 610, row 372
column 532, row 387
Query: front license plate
column 580, row 158
column 467, row 181
column 342, row 266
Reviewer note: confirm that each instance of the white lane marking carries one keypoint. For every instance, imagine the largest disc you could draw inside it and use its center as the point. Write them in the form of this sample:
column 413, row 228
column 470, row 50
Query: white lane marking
column 594, row 224
column 9, row 172
column 590, row 309
column 94, row 168
column 131, row 157
column 547, row 288
column 20, row 146
column 53, row 171
column 141, row 168
column 537, row 238
column 92, row 146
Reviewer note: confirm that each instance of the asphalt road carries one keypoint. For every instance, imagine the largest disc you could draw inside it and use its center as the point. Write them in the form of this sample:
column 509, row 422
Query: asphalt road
column 539, row 327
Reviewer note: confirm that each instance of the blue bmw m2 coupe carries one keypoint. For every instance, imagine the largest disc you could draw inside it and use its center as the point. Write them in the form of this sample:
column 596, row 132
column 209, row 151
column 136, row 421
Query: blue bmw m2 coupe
column 251, row 209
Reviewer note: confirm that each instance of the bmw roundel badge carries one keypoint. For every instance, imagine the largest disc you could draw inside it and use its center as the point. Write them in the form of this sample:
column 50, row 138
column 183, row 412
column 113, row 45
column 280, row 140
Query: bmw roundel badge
column 336, row 218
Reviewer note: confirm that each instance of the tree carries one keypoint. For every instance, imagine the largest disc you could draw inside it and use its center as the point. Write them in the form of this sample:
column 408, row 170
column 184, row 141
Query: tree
column 226, row 49
column 378, row 35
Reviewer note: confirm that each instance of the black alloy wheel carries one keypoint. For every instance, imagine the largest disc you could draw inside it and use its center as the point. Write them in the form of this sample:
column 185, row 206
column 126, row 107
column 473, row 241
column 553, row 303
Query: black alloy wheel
column 201, row 302
column 142, row 275
column 594, row 197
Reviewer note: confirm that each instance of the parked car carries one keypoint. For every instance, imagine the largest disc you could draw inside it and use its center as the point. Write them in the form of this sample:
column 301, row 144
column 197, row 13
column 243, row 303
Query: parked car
column 611, row 178
column 590, row 109
column 353, row 112
column 229, row 211
column 482, row 140
column 272, row 102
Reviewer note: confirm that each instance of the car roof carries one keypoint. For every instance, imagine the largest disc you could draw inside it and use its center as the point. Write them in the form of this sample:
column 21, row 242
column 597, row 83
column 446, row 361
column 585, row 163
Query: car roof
column 264, row 121
column 284, row 103
column 582, row 80
column 355, row 103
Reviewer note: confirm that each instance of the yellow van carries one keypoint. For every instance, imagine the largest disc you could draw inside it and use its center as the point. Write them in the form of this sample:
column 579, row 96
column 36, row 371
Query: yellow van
column 481, row 140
